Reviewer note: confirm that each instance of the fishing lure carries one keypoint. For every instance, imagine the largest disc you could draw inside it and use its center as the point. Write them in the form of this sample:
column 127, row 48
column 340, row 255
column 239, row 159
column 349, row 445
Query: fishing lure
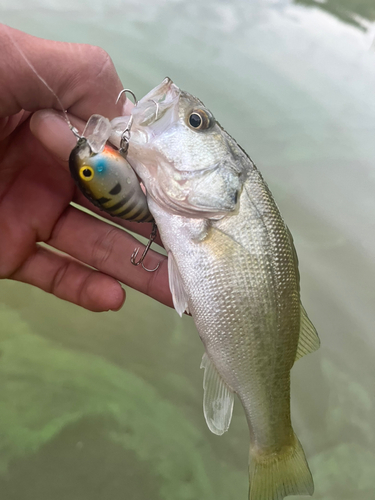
column 104, row 176
column 109, row 182
column 106, row 179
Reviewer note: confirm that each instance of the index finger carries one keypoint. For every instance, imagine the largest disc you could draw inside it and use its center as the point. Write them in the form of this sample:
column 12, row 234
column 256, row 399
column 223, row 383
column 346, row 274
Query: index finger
column 82, row 76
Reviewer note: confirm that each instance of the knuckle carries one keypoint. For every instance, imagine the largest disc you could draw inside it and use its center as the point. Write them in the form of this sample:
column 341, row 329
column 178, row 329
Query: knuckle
column 150, row 283
column 83, row 287
column 59, row 278
column 59, row 227
column 103, row 247
column 153, row 279
column 103, row 61
column 98, row 53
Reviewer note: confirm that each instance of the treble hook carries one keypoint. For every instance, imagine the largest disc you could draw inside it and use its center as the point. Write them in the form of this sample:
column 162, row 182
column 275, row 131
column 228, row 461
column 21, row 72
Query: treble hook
column 125, row 136
column 123, row 91
column 135, row 253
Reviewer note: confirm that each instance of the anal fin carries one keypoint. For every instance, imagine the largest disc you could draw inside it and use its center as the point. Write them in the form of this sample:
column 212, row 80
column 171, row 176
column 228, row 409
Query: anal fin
column 218, row 398
column 308, row 338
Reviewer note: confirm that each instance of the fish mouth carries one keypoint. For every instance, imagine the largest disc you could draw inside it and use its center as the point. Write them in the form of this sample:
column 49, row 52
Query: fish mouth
column 151, row 116
column 155, row 112
column 165, row 93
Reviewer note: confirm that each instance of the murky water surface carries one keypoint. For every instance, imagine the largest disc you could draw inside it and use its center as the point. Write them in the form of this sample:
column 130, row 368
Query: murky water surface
column 110, row 406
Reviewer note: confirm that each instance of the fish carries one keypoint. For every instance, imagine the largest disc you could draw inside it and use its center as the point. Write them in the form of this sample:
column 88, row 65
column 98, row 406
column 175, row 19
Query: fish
column 233, row 266
column 108, row 181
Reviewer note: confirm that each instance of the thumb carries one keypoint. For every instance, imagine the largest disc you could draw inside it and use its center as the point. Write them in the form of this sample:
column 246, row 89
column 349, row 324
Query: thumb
column 51, row 129
column 33, row 71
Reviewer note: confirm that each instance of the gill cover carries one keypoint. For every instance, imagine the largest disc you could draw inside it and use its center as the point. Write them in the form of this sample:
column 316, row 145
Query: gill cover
column 108, row 181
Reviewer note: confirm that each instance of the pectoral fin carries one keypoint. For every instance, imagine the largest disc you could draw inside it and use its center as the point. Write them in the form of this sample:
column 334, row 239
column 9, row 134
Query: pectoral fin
column 179, row 296
column 218, row 398
column 308, row 338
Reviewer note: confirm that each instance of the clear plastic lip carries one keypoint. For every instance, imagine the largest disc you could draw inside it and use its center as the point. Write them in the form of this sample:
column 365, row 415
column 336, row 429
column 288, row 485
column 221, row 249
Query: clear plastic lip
column 97, row 131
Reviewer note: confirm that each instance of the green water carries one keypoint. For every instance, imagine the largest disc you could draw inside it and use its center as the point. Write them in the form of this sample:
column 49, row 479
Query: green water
column 109, row 406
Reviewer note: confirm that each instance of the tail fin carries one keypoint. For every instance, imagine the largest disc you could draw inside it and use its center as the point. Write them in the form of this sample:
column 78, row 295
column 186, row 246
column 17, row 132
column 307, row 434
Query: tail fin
column 276, row 476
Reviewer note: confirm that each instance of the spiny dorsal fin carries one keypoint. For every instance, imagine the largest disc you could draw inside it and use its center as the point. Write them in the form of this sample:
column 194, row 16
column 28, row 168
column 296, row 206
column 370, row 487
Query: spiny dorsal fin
column 218, row 398
column 308, row 338
column 179, row 296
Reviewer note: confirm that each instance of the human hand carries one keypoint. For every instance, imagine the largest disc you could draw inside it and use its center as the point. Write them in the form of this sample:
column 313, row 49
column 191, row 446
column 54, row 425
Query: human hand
column 35, row 185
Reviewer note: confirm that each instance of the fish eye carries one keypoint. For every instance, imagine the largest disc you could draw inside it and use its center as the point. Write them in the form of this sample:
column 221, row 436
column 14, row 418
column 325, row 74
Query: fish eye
column 199, row 119
column 86, row 173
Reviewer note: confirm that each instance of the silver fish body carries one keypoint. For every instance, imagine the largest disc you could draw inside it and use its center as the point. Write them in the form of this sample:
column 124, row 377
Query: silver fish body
column 233, row 266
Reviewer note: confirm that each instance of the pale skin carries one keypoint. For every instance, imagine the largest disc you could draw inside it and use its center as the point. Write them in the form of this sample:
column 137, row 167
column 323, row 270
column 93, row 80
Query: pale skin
column 35, row 184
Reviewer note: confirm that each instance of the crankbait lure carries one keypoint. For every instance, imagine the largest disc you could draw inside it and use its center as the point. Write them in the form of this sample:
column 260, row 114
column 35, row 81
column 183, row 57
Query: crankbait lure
column 109, row 182
column 104, row 176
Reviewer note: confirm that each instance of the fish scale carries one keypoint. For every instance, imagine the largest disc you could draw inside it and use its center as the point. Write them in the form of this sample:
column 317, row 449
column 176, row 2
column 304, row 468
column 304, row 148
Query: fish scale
column 206, row 282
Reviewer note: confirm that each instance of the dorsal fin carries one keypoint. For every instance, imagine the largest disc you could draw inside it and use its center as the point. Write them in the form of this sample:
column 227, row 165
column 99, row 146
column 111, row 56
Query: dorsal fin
column 308, row 338
column 218, row 398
